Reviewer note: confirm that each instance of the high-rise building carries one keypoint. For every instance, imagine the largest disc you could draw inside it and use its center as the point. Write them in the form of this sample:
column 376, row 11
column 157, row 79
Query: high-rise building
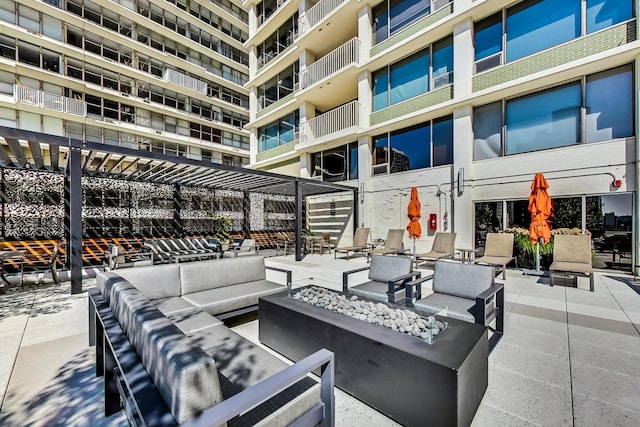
column 161, row 76
column 476, row 97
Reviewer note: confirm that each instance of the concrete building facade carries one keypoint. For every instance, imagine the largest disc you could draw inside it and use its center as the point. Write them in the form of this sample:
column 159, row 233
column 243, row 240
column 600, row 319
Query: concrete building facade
column 465, row 100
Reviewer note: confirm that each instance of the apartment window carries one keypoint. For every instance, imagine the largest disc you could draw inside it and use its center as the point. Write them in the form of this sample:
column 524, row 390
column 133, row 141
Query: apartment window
column 7, row 47
column 418, row 147
column 278, row 133
column 554, row 118
column 338, row 164
column 535, row 25
column 413, row 76
column 391, row 16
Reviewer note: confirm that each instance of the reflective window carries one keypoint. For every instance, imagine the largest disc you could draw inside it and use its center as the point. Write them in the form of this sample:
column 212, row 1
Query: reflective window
column 443, row 142
column 488, row 219
column 536, row 25
column 380, row 89
column 338, row 164
column 610, row 222
column 409, row 149
column 605, row 13
column 280, row 132
column 567, row 212
column 409, row 77
column 609, row 104
column 380, row 148
column 442, row 63
column 392, row 16
column 546, row 120
column 488, row 37
column 487, row 130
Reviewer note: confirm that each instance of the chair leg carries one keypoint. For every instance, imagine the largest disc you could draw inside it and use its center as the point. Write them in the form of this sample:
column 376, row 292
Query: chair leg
column 591, row 280
column 504, row 272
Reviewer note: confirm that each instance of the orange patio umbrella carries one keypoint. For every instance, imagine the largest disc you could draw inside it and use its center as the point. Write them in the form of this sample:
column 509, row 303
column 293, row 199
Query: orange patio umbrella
column 541, row 208
column 413, row 212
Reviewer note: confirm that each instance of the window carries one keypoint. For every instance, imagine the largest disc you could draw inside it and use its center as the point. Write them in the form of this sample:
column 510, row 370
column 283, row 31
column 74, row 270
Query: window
column 488, row 43
column 533, row 26
column 392, row 16
column 422, row 146
column 545, row 120
column 338, row 164
column 553, row 118
column 605, row 13
column 609, row 104
column 410, row 77
column 278, row 133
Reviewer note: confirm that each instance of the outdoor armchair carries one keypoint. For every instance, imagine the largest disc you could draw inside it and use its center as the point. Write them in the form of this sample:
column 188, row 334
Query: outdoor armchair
column 572, row 253
column 116, row 257
column 443, row 247
column 387, row 277
column 359, row 243
column 498, row 251
column 246, row 247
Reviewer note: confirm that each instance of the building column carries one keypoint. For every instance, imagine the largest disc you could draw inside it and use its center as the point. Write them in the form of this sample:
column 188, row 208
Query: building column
column 636, row 207
column 461, row 193
column 364, row 178
column 365, row 34
column 73, row 215
column 299, row 219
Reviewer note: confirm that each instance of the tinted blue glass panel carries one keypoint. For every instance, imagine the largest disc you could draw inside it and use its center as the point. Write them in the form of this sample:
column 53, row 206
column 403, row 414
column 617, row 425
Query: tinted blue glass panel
column 381, row 22
column 410, row 149
column 547, row 120
column 287, row 129
column 487, row 131
column 271, row 136
column 380, row 90
column 541, row 25
column 405, row 12
column 488, row 40
column 443, row 142
column 609, row 103
column 410, row 77
column 353, row 160
column 605, row 13
column 442, row 61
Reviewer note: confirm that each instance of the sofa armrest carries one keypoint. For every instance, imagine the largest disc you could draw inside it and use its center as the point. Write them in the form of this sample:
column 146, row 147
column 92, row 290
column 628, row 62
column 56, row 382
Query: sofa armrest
column 282, row 270
column 410, row 293
column 400, row 282
column 322, row 414
column 490, row 306
column 345, row 277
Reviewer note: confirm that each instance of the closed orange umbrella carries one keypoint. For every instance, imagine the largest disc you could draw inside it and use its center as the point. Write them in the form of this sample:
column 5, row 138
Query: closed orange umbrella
column 541, row 209
column 413, row 212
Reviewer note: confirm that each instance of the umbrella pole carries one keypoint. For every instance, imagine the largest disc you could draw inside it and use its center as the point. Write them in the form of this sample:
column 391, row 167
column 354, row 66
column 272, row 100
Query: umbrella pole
column 538, row 256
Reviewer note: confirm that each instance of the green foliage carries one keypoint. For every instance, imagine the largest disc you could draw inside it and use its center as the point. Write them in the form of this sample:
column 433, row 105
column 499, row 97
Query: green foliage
column 222, row 227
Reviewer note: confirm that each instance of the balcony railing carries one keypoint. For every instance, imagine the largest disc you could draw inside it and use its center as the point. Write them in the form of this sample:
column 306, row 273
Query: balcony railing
column 336, row 120
column 184, row 80
column 317, row 13
column 50, row 101
column 331, row 63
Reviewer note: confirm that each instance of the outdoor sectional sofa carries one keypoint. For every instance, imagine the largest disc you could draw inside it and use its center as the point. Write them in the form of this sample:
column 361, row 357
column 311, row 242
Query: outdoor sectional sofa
column 188, row 248
column 167, row 360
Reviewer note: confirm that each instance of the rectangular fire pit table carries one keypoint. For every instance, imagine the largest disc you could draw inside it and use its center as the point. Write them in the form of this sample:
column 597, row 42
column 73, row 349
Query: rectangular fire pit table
column 404, row 377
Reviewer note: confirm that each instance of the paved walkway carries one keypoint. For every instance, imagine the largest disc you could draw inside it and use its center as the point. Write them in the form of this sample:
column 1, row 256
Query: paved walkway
column 568, row 357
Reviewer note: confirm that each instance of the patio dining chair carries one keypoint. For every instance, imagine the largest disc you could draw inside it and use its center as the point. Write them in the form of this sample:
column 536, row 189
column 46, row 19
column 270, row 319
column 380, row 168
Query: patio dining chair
column 443, row 247
column 498, row 251
column 359, row 243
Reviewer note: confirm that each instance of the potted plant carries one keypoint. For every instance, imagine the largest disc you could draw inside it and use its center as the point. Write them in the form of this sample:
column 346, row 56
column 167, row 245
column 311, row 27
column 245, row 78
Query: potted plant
column 221, row 230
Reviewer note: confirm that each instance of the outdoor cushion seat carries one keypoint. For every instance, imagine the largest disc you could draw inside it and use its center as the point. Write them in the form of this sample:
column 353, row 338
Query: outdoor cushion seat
column 498, row 251
column 443, row 247
column 229, row 298
column 155, row 282
column 393, row 244
column 457, row 308
column 193, row 320
column 387, row 276
column 376, row 290
column 172, row 305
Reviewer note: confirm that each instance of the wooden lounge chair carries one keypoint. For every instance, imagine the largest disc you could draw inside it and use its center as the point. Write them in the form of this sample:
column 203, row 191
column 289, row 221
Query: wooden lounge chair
column 443, row 247
column 498, row 251
column 359, row 243
column 392, row 246
column 572, row 254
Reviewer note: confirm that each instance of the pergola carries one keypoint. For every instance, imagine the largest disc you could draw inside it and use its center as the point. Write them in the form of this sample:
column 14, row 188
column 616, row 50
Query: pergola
column 27, row 150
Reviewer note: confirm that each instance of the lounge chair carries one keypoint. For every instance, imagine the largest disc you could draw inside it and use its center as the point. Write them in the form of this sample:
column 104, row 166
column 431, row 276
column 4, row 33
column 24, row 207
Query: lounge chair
column 498, row 251
column 387, row 278
column 359, row 243
column 443, row 247
column 392, row 246
column 572, row 254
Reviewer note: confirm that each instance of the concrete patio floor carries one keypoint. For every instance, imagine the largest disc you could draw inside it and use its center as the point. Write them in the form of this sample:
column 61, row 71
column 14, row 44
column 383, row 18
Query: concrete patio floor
column 568, row 356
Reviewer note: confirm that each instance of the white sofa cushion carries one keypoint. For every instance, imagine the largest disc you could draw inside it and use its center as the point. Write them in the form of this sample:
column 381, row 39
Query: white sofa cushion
column 204, row 275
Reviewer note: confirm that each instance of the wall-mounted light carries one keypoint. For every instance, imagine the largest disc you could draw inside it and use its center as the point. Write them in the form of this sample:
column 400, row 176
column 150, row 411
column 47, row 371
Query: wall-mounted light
column 460, row 181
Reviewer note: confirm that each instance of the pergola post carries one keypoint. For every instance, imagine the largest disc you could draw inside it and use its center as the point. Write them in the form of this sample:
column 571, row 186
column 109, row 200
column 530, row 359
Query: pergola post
column 177, row 211
column 246, row 214
column 73, row 216
column 299, row 220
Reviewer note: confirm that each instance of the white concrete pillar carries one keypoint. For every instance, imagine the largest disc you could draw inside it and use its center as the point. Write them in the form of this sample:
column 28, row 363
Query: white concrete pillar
column 364, row 176
column 461, row 5
column 365, row 98
column 462, row 193
column 463, row 54
column 365, row 34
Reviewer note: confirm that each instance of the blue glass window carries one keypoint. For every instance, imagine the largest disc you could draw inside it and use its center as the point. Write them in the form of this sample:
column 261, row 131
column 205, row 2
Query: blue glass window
column 605, row 13
column 405, row 12
column 410, row 77
column 546, row 120
column 410, row 149
column 380, row 89
column 533, row 26
column 279, row 132
column 488, row 37
column 353, row 160
column 443, row 141
column 442, row 63
column 487, row 131
column 271, row 136
column 381, row 22
column 609, row 104
column 380, row 153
